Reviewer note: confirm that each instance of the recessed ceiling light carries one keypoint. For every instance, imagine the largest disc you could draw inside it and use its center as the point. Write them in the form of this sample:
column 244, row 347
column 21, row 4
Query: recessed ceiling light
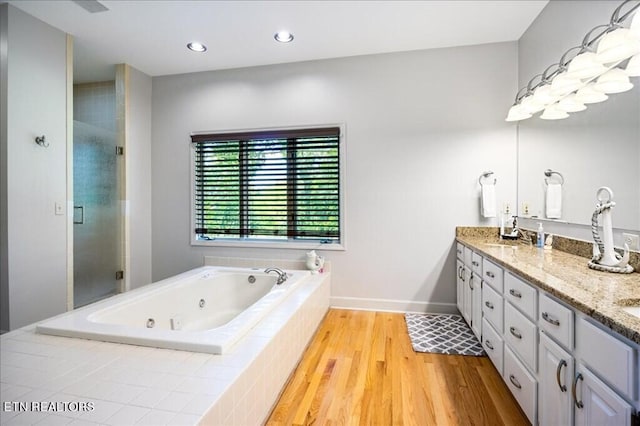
column 197, row 47
column 283, row 36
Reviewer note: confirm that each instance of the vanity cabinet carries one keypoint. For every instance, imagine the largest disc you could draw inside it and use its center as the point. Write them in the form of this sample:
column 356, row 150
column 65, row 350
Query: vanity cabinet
column 555, row 406
column 476, row 305
column 469, row 287
column 596, row 403
column 562, row 367
column 460, row 285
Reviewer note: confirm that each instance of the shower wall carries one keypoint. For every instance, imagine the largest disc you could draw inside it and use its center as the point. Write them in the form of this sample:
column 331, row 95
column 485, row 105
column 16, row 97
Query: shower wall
column 97, row 218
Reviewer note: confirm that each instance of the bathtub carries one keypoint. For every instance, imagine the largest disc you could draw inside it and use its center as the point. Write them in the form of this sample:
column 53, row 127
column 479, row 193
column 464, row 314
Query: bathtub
column 206, row 309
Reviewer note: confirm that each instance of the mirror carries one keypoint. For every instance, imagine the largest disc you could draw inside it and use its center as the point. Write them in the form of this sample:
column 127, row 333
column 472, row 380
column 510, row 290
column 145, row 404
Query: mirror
column 596, row 147
column 592, row 148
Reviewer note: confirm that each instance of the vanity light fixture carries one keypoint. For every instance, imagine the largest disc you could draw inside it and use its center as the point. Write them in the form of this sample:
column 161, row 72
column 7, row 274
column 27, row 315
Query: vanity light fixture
column 608, row 56
column 197, row 46
column 633, row 67
column 553, row 112
column 589, row 95
column 283, row 36
column 571, row 104
column 613, row 81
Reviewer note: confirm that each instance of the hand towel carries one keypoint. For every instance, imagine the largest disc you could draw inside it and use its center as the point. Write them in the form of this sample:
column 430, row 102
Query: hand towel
column 488, row 200
column 554, row 201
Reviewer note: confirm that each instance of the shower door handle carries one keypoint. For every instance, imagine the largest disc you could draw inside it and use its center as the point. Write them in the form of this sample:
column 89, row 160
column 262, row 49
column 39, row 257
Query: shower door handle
column 78, row 215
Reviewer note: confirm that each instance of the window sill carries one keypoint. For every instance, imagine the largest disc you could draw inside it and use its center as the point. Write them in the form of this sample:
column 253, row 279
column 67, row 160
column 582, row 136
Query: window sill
column 269, row 245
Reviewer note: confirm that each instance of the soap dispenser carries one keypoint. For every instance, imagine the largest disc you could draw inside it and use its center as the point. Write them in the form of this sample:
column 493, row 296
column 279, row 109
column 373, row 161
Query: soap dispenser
column 540, row 236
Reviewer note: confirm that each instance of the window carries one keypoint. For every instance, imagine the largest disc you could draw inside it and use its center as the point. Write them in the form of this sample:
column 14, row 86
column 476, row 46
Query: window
column 268, row 186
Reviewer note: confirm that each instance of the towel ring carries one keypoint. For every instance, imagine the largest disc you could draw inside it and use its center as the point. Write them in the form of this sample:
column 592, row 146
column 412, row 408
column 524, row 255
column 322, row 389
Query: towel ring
column 486, row 175
column 548, row 173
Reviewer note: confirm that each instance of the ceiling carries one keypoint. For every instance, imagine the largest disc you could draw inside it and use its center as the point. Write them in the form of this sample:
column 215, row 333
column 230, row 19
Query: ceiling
column 152, row 35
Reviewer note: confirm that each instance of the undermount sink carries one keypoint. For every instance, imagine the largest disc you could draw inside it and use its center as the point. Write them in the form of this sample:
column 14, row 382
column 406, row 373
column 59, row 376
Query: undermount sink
column 633, row 310
column 500, row 245
column 630, row 306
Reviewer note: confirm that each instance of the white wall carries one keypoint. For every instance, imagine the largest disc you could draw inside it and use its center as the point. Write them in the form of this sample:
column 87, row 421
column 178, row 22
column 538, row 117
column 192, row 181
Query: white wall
column 420, row 128
column 138, row 181
column 36, row 255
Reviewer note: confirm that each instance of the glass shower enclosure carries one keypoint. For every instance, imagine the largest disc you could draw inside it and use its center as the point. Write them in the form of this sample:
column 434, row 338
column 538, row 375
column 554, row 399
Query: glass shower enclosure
column 97, row 214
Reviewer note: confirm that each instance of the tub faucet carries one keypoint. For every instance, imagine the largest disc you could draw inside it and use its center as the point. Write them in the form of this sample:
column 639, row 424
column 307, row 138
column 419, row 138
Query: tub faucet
column 282, row 276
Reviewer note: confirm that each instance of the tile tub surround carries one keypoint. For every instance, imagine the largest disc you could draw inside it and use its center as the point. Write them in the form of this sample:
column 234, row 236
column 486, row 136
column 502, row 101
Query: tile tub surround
column 599, row 295
column 129, row 384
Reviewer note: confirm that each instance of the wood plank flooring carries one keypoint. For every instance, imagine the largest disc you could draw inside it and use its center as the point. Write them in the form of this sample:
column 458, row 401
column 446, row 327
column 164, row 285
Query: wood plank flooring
column 360, row 369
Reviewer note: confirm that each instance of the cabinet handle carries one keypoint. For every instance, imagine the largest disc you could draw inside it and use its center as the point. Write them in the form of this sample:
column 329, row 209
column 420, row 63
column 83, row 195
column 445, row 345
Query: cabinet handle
column 515, row 293
column 471, row 283
column 548, row 318
column 515, row 382
column 579, row 404
column 488, row 344
column 515, row 332
column 490, row 274
column 463, row 274
column 474, row 263
column 561, row 364
column 488, row 304
column 460, row 272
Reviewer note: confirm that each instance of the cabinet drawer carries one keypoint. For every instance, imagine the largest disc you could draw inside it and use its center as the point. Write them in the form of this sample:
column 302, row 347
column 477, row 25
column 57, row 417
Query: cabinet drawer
column 460, row 251
column 522, row 385
column 493, row 307
column 556, row 320
column 521, row 295
column 493, row 344
column 609, row 358
column 492, row 275
column 476, row 263
column 468, row 255
column 521, row 335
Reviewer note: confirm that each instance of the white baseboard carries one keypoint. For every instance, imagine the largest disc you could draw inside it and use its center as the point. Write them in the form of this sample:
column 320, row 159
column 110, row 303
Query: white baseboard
column 388, row 305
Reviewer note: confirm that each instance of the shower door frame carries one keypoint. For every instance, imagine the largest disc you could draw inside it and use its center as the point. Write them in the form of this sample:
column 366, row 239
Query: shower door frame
column 122, row 88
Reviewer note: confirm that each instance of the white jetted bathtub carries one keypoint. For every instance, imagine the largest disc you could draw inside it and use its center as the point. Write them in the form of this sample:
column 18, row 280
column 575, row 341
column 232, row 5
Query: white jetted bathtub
column 203, row 310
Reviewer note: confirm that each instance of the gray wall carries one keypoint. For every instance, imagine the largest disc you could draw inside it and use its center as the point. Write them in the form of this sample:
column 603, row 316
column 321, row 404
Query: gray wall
column 35, row 259
column 33, row 240
column 420, row 128
column 138, row 183
column 4, row 250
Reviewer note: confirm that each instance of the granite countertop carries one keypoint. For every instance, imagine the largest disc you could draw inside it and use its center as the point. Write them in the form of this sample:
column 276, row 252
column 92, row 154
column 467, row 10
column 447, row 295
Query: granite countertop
column 599, row 295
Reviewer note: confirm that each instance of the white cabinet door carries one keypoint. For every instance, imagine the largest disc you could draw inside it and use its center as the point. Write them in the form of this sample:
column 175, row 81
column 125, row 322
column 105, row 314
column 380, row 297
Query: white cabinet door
column 555, row 406
column 476, row 305
column 460, row 285
column 467, row 294
column 596, row 403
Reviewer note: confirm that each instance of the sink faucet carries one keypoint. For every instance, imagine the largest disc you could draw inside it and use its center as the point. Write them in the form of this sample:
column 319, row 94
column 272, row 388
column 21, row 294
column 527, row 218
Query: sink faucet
column 282, row 276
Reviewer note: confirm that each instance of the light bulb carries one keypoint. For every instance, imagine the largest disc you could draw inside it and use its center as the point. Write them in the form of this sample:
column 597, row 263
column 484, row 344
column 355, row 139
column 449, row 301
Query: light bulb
column 589, row 95
column 585, row 66
column 613, row 81
column 617, row 46
column 552, row 112
column 517, row 113
column 571, row 104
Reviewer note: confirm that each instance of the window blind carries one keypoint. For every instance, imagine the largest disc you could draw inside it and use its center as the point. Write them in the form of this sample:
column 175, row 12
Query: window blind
column 281, row 185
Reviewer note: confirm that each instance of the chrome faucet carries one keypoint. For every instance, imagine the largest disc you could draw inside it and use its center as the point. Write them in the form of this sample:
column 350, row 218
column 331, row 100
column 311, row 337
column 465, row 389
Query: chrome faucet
column 282, row 276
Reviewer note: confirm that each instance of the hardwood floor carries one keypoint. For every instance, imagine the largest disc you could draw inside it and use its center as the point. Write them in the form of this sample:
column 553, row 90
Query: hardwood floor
column 360, row 369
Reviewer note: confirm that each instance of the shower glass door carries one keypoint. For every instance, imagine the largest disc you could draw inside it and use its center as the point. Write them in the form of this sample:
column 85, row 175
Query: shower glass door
column 97, row 241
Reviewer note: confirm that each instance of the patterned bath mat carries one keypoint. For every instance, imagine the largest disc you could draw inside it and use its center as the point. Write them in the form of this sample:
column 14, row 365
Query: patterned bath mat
column 443, row 334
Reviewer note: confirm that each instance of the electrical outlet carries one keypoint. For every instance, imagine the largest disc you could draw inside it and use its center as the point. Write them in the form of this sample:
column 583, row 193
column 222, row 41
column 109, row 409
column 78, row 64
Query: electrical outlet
column 506, row 208
column 525, row 209
column 59, row 209
column 632, row 240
